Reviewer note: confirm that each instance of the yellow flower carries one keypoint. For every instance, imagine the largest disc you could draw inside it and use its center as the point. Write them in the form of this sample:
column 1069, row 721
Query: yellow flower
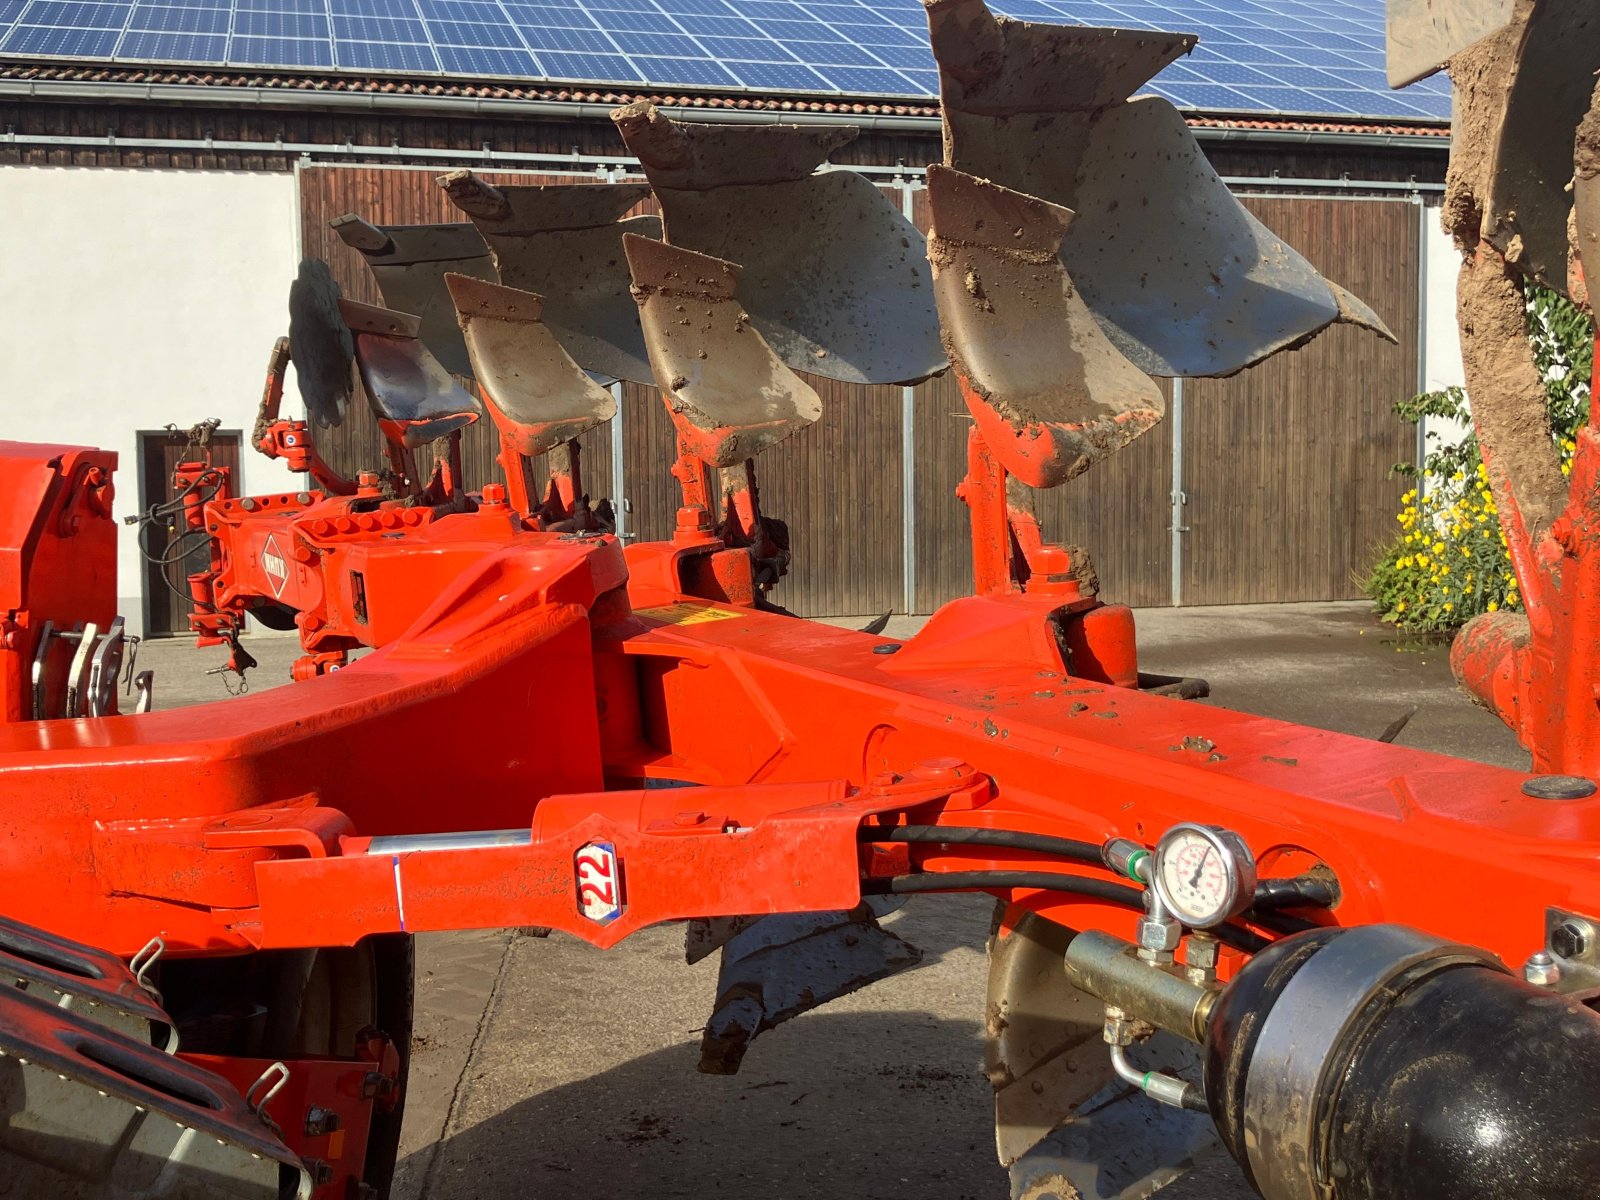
column 1494, row 606
column 1444, row 570
column 1448, row 607
column 1566, row 468
column 1401, row 607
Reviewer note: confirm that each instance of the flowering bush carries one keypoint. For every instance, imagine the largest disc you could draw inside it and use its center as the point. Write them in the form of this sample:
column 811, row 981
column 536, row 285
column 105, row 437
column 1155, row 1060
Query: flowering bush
column 1449, row 561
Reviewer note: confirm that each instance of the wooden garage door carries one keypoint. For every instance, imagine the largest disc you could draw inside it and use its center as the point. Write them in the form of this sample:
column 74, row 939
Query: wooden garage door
column 1287, row 466
column 169, row 564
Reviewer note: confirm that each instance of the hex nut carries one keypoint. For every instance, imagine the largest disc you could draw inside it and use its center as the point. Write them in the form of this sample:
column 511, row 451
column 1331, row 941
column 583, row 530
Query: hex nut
column 1541, row 970
column 1159, row 935
column 1201, row 953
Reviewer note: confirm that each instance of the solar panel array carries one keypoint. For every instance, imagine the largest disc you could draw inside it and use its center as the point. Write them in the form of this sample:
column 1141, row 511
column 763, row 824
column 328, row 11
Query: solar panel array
column 1310, row 57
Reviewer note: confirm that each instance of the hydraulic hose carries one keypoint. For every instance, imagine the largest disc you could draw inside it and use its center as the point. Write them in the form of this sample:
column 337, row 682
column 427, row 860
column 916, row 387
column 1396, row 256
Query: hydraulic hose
column 1070, row 849
column 1271, row 894
column 1048, row 881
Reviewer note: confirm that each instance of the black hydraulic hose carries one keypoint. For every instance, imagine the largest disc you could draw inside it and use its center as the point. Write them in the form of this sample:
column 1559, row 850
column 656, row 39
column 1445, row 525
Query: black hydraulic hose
column 1303, row 891
column 1070, row 849
column 1048, row 881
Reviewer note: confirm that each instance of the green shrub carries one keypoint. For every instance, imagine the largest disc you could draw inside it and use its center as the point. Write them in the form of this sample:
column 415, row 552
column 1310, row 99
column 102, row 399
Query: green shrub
column 1448, row 562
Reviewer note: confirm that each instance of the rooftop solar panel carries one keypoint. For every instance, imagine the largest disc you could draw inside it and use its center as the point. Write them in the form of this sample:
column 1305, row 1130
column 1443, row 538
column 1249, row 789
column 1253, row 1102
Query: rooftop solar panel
column 298, row 52
column 1302, row 57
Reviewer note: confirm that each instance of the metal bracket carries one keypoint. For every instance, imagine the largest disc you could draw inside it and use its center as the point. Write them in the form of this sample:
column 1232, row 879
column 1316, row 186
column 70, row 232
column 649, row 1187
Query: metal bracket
column 1573, row 941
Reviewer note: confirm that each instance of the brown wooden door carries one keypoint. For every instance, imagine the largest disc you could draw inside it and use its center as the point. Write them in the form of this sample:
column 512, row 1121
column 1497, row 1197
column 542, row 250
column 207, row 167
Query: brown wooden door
column 169, row 561
column 1287, row 466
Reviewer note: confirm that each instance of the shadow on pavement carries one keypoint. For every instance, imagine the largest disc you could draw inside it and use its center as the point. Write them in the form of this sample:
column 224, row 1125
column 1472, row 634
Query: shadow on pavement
column 877, row 1105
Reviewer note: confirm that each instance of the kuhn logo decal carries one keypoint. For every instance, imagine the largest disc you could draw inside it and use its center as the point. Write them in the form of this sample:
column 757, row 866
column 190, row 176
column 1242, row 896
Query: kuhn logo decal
column 275, row 565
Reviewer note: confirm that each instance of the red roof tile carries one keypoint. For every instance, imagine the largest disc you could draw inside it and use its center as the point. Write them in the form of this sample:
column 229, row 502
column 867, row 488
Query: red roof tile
column 220, row 77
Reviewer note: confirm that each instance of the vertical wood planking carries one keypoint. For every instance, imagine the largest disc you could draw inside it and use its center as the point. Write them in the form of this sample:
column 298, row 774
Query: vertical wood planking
column 1287, row 464
column 391, row 196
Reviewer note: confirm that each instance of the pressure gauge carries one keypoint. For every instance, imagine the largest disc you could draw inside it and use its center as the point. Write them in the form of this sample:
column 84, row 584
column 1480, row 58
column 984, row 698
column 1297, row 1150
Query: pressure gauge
column 1203, row 874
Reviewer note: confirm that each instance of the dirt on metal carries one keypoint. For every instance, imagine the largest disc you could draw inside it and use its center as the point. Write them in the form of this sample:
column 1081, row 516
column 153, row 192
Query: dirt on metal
column 1423, row 35
column 1586, row 202
column 1049, row 391
column 835, row 276
column 1520, row 96
column 408, row 263
column 564, row 243
column 1181, row 277
column 540, row 396
column 1508, row 392
column 409, row 388
column 729, row 395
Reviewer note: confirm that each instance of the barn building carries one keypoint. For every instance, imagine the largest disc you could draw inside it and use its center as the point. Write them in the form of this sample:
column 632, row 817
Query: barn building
column 163, row 168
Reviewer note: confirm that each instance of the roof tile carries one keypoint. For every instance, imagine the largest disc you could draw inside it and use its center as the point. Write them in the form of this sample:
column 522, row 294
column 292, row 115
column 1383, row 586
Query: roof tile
column 311, row 83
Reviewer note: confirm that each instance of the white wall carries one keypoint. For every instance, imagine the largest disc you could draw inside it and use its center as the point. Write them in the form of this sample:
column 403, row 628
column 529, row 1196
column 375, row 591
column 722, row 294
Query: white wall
column 1441, row 337
column 135, row 299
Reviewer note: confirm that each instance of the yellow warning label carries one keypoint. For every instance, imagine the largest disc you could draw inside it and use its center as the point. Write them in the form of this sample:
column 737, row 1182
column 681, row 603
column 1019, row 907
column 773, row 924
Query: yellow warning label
column 686, row 614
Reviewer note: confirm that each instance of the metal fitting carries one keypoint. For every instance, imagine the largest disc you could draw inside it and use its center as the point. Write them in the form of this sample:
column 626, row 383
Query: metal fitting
column 1119, row 1029
column 1163, row 1089
column 1107, row 968
column 1158, row 935
column 321, row 1121
column 1572, row 938
column 1128, row 858
column 1541, row 970
column 1200, row 958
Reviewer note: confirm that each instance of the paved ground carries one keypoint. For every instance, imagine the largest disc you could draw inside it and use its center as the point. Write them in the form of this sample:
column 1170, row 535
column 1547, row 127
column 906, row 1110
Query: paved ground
column 546, row 1069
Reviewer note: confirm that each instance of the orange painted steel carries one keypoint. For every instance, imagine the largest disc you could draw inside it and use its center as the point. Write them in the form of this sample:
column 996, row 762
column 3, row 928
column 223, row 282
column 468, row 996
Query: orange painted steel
column 484, row 765
column 57, row 559
column 545, row 675
column 1541, row 676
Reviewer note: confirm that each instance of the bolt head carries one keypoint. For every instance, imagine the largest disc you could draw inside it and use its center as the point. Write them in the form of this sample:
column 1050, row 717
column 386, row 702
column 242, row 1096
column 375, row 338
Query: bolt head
column 1571, row 939
column 1558, row 787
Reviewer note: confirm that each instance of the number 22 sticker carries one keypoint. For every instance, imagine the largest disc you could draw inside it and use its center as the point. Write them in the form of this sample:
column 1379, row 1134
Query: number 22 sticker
column 598, row 876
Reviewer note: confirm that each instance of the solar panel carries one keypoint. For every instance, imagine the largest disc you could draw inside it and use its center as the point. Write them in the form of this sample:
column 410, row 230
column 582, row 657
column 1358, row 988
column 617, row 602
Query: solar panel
column 1303, row 57
column 613, row 68
column 250, row 22
column 148, row 18
column 296, row 52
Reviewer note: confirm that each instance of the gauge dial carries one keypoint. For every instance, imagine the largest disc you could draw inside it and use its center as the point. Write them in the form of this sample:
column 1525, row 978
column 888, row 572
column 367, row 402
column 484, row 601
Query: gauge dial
column 1203, row 875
